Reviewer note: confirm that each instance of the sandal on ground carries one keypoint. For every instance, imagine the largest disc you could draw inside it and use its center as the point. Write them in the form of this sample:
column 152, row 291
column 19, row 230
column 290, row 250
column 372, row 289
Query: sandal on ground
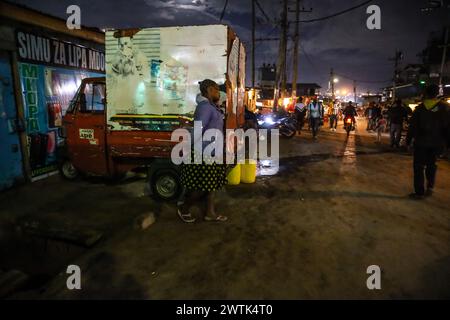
column 188, row 218
column 416, row 196
column 218, row 218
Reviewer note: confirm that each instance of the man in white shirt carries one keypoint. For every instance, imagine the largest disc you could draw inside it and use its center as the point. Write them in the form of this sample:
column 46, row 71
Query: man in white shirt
column 333, row 113
column 315, row 112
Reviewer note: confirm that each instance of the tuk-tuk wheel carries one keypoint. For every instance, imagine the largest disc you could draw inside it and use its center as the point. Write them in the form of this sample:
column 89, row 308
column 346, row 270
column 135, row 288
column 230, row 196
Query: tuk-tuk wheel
column 165, row 184
column 68, row 171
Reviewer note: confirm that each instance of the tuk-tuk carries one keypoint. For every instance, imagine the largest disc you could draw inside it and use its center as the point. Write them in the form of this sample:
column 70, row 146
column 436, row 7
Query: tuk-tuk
column 91, row 148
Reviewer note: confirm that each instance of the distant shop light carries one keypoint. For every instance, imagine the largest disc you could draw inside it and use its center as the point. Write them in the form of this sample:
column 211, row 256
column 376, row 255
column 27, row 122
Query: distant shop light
column 259, row 104
column 447, row 85
column 412, row 106
column 422, row 82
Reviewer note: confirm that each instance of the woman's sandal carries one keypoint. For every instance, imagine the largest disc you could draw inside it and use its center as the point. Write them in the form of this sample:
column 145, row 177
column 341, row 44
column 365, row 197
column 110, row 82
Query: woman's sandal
column 218, row 218
column 188, row 218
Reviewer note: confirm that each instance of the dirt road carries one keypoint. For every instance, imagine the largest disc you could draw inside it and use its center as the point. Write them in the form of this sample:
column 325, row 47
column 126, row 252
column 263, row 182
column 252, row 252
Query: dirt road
column 335, row 207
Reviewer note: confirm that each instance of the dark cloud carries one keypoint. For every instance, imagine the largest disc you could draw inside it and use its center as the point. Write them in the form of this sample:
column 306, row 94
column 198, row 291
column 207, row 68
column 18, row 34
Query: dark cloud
column 343, row 43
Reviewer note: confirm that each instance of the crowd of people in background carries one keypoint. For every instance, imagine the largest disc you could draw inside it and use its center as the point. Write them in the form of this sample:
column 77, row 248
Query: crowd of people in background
column 384, row 116
column 391, row 117
column 380, row 116
column 426, row 128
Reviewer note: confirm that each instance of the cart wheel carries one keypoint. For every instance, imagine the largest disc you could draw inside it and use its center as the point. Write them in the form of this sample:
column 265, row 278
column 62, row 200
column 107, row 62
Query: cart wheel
column 165, row 184
column 68, row 171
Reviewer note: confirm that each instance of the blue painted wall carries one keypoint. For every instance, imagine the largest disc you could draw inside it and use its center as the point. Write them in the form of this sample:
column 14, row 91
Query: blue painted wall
column 10, row 152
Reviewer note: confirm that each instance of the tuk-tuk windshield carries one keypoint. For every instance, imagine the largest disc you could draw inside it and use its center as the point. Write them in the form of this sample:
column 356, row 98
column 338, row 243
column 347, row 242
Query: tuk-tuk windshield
column 93, row 98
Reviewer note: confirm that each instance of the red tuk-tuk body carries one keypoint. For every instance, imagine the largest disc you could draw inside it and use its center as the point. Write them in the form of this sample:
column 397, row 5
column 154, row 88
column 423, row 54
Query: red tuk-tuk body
column 92, row 148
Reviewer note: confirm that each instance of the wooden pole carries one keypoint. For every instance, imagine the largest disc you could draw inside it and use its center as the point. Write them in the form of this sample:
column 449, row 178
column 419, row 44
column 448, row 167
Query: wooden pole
column 296, row 41
column 253, row 42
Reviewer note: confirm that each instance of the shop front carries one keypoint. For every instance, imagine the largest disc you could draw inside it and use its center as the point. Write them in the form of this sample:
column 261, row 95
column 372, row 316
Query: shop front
column 50, row 72
column 42, row 64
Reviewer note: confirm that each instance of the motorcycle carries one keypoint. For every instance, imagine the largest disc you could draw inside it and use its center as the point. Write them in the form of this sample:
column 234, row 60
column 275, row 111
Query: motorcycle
column 348, row 124
column 287, row 125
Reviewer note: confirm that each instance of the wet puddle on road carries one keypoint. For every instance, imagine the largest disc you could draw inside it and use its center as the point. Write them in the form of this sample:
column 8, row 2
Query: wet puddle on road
column 266, row 168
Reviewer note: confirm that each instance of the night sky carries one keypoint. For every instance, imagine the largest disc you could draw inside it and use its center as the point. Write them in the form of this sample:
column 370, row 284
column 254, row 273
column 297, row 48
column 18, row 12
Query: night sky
column 343, row 42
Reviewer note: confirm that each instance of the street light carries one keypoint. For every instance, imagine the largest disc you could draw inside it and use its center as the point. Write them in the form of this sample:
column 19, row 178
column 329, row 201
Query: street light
column 335, row 80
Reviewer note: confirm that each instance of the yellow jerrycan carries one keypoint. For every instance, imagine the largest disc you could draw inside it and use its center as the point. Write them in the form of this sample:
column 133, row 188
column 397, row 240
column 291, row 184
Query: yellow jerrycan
column 234, row 176
column 248, row 172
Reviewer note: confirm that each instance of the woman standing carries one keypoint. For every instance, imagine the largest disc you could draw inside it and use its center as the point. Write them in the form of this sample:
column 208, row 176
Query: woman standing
column 202, row 180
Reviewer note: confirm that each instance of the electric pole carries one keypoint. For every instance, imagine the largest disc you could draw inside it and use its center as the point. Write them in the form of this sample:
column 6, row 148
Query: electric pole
column 295, row 64
column 281, row 63
column 398, row 56
column 332, row 83
column 444, row 57
column 296, row 44
column 283, row 90
column 285, row 38
column 253, row 42
column 354, row 91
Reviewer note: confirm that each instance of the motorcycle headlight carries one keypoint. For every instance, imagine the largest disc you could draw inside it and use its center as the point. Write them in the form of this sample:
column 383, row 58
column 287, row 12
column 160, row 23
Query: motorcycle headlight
column 269, row 120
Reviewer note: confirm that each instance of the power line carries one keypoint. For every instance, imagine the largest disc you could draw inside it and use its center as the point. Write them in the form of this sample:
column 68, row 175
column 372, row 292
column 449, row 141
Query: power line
column 262, row 10
column 308, row 58
column 362, row 81
column 257, row 4
column 223, row 11
column 340, row 74
column 316, row 69
column 267, row 35
column 337, row 13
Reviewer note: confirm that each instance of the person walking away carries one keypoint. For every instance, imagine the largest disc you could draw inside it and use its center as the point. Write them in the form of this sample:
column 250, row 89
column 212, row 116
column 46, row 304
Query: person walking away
column 368, row 113
column 251, row 122
column 334, row 113
column 340, row 112
column 376, row 114
column 397, row 115
column 300, row 113
column 202, row 180
column 380, row 127
column 429, row 129
column 385, row 114
column 315, row 111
